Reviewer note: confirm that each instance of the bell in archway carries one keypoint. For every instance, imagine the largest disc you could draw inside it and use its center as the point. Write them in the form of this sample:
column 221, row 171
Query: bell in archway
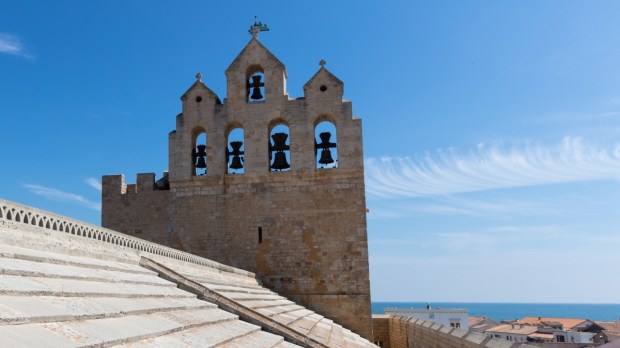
column 256, row 84
column 200, row 156
column 325, row 146
column 280, row 162
column 236, row 162
column 326, row 157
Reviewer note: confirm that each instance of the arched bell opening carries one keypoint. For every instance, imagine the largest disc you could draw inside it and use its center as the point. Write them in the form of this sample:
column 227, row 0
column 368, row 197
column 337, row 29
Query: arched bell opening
column 279, row 148
column 199, row 152
column 325, row 145
column 255, row 84
column 235, row 151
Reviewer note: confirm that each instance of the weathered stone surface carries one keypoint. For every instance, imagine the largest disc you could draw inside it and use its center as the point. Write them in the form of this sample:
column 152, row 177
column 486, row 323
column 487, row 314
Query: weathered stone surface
column 101, row 296
column 262, row 307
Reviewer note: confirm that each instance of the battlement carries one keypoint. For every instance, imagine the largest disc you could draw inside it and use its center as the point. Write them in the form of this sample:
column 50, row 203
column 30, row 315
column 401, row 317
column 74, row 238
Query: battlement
column 145, row 182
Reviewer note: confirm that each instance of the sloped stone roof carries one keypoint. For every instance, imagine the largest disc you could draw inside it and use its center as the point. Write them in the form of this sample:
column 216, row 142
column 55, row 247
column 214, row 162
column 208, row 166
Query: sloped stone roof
column 66, row 283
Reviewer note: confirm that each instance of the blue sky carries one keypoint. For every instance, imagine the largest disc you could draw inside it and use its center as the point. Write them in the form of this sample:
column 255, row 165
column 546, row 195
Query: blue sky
column 491, row 129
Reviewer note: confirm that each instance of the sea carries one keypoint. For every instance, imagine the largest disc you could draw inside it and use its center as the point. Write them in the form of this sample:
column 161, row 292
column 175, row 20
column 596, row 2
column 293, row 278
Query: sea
column 511, row 311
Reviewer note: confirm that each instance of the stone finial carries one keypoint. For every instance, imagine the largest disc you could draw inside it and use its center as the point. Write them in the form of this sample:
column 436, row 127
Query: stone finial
column 254, row 30
column 322, row 63
column 199, row 77
column 257, row 27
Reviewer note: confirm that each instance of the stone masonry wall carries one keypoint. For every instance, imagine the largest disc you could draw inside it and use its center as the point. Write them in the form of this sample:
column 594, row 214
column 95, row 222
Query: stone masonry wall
column 316, row 256
column 381, row 330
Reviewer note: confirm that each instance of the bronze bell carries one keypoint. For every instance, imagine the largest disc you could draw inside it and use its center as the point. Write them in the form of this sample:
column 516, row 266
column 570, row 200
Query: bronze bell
column 200, row 156
column 201, row 151
column 236, row 163
column 256, row 95
column 236, row 155
column 326, row 157
column 280, row 162
column 201, row 163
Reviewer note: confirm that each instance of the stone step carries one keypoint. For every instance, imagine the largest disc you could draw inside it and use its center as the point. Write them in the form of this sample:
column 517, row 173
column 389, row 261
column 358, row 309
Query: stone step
column 349, row 340
column 219, row 335
column 38, row 286
column 43, row 269
column 258, row 304
column 286, row 345
column 352, row 339
column 235, row 280
column 273, row 311
column 336, row 339
column 111, row 331
column 289, row 317
column 256, row 339
column 214, row 276
column 243, row 296
column 45, row 309
column 233, row 288
column 306, row 323
column 13, row 252
column 322, row 330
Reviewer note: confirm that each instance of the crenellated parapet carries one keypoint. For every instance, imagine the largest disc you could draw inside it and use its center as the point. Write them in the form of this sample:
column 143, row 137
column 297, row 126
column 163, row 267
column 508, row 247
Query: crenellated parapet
column 145, row 182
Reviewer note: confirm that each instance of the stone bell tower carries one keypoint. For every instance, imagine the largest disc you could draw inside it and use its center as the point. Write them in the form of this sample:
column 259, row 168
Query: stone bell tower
column 263, row 182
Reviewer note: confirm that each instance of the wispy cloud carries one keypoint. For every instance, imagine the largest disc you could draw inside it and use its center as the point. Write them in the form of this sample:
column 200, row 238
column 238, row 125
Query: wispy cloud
column 61, row 196
column 10, row 44
column 491, row 167
column 452, row 205
column 94, row 183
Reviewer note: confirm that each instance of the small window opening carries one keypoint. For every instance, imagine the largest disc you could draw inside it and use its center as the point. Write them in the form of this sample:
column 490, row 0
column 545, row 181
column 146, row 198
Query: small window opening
column 260, row 235
column 256, row 87
column 279, row 149
column 235, row 156
column 323, row 88
column 324, row 142
column 199, row 154
column 198, row 99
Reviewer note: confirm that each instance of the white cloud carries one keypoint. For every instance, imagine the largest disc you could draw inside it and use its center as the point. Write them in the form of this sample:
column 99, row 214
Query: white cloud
column 454, row 205
column 10, row 44
column 491, row 167
column 61, row 196
column 94, row 183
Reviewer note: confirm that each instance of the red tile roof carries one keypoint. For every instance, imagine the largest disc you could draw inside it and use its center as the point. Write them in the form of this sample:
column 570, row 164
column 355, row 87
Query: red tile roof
column 567, row 323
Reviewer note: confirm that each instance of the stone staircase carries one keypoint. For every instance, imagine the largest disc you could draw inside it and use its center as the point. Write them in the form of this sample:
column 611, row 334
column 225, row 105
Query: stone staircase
column 246, row 292
column 56, row 290
column 65, row 283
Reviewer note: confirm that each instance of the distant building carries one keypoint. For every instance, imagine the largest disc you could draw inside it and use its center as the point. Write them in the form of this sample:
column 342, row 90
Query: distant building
column 456, row 318
column 518, row 333
column 481, row 324
column 564, row 330
column 611, row 329
column 550, row 330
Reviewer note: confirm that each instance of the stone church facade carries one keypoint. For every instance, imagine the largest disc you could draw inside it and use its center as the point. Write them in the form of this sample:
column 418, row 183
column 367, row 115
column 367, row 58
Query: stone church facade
column 284, row 199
